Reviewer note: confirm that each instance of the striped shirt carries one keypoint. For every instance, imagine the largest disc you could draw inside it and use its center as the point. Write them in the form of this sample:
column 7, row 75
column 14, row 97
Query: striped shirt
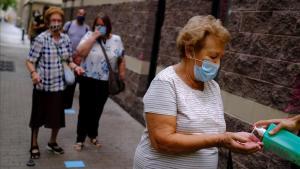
column 49, row 56
column 196, row 112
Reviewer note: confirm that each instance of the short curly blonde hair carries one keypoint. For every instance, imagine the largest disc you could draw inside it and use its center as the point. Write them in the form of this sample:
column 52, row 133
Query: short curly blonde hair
column 195, row 31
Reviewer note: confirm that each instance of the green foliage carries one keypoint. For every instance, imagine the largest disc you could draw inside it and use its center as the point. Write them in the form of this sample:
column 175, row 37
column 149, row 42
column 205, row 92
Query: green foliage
column 4, row 4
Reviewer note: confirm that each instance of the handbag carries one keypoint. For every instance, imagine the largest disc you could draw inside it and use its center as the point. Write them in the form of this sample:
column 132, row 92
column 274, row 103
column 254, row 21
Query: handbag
column 115, row 84
column 69, row 76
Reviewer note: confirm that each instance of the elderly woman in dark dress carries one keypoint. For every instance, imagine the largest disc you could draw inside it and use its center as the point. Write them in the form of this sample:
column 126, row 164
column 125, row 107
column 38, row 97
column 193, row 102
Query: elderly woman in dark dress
column 44, row 63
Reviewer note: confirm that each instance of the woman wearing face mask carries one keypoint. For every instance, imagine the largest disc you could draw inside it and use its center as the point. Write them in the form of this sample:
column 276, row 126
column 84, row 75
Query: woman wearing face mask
column 183, row 107
column 93, row 85
column 44, row 63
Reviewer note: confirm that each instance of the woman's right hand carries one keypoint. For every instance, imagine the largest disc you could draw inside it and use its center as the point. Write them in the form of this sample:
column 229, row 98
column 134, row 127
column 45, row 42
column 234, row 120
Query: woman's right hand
column 35, row 78
column 96, row 34
column 241, row 142
column 79, row 70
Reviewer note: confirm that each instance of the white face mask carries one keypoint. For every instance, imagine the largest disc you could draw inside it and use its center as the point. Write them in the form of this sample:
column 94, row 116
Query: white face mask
column 55, row 26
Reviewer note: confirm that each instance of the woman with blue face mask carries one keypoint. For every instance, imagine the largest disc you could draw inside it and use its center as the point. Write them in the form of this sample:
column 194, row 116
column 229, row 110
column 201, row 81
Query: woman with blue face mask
column 93, row 85
column 183, row 107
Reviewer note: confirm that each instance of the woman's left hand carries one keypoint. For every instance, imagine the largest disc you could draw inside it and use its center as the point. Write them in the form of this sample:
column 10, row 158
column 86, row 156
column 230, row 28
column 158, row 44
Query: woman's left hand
column 79, row 70
column 241, row 142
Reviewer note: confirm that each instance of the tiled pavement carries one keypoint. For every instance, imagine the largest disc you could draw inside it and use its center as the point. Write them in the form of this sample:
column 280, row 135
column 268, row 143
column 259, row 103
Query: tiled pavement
column 118, row 133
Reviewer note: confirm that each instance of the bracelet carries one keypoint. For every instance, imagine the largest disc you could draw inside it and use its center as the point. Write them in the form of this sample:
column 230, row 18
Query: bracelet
column 32, row 72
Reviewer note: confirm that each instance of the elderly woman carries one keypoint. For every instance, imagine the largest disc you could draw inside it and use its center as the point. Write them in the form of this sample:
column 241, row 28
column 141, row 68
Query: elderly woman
column 93, row 85
column 183, row 107
column 44, row 63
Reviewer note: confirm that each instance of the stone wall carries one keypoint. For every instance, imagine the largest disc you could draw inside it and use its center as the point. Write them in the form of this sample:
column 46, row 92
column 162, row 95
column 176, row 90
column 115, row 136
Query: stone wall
column 261, row 64
column 263, row 58
column 178, row 12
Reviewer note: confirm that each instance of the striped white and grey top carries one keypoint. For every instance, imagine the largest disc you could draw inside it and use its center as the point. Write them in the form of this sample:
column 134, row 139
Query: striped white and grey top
column 196, row 112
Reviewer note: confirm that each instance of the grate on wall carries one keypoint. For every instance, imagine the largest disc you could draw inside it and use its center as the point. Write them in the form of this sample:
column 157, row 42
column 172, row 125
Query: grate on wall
column 7, row 66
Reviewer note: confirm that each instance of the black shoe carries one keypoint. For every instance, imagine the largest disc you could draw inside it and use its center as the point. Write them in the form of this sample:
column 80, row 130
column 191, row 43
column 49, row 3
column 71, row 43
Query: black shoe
column 53, row 147
column 34, row 152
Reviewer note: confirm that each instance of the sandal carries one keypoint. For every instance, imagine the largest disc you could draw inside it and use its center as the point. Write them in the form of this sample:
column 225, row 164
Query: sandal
column 53, row 147
column 96, row 142
column 78, row 146
column 35, row 152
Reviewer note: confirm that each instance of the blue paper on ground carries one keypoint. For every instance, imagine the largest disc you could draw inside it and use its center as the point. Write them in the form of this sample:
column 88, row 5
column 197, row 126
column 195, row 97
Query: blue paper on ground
column 74, row 164
column 70, row 111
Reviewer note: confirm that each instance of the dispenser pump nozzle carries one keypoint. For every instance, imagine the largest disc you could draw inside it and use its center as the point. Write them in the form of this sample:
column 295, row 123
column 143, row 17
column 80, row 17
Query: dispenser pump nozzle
column 261, row 131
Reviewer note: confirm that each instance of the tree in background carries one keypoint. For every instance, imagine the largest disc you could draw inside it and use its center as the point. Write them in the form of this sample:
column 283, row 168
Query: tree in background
column 4, row 4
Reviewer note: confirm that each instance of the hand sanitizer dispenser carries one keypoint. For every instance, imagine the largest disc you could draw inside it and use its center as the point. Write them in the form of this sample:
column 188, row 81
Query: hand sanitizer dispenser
column 284, row 143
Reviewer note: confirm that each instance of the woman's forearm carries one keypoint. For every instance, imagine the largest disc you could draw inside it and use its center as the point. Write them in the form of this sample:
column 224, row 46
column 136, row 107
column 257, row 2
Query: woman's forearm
column 178, row 143
column 30, row 66
column 122, row 66
column 165, row 138
column 84, row 48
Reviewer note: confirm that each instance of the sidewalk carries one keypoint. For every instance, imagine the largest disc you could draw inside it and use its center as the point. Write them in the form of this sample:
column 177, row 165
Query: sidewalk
column 118, row 132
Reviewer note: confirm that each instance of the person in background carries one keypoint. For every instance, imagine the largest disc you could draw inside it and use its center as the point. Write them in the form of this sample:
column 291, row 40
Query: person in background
column 183, row 106
column 38, row 26
column 44, row 63
column 76, row 29
column 93, row 85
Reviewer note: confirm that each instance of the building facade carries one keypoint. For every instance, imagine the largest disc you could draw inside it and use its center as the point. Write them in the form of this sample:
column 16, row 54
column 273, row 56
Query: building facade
column 26, row 7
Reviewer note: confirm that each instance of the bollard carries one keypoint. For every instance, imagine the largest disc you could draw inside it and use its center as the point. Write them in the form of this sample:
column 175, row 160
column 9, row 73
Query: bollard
column 23, row 34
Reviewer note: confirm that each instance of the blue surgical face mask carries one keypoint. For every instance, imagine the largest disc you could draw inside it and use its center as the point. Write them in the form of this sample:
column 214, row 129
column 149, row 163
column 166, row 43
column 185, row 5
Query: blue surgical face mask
column 208, row 71
column 102, row 30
